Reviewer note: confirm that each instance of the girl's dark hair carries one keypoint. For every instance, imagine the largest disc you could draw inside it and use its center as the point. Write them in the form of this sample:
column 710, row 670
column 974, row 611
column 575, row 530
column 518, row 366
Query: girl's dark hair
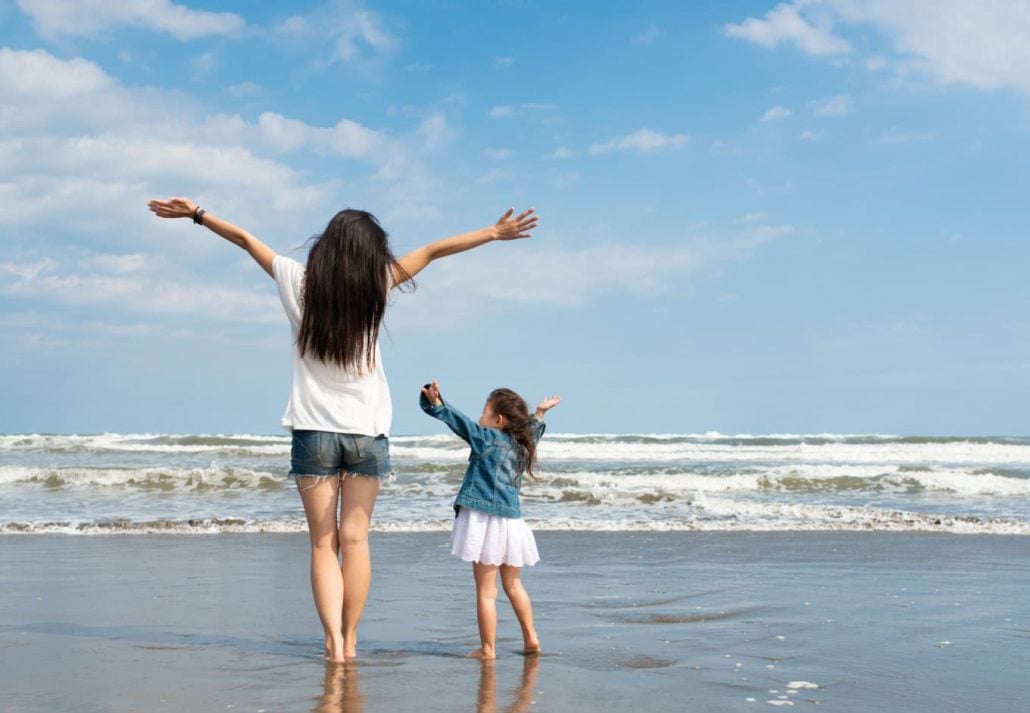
column 507, row 403
column 345, row 289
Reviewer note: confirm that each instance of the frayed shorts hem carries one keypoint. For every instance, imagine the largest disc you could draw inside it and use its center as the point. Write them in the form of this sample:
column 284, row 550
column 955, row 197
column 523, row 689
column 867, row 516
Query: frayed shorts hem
column 340, row 474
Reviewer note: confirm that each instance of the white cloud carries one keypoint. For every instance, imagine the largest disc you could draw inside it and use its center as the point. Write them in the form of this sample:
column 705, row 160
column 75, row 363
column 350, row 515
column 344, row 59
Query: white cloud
column 56, row 18
column 834, row 106
column 726, row 148
column 351, row 32
column 27, row 270
column 121, row 264
column 434, row 131
column 875, row 63
column 507, row 277
column 562, row 152
column 47, row 281
column 785, row 23
column 493, row 176
column 498, row 154
column 204, row 63
column 647, row 36
column 244, row 90
column 808, row 135
column 980, row 44
column 38, row 72
column 775, row 113
column 507, row 111
column 362, row 29
column 752, row 217
column 346, row 138
column 504, row 61
column 71, row 135
column 643, row 141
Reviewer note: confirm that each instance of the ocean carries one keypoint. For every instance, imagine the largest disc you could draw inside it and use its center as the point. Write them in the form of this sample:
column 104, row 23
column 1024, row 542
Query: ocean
column 169, row 483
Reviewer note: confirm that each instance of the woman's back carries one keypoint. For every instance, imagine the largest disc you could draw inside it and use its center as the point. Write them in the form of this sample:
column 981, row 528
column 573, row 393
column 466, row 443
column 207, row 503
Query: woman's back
column 326, row 396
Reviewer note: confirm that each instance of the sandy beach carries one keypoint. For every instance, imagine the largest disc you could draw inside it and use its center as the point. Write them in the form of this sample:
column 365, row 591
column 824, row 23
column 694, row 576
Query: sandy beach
column 649, row 621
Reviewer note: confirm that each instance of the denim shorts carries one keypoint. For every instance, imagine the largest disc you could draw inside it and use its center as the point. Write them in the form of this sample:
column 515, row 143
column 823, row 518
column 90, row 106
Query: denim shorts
column 323, row 454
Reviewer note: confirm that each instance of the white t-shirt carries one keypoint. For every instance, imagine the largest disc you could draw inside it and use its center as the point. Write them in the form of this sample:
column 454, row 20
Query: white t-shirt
column 326, row 397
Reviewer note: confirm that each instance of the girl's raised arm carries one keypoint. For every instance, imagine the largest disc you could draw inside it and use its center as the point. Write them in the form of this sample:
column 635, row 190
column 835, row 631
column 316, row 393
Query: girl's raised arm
column 185, row 208
column 507, row 228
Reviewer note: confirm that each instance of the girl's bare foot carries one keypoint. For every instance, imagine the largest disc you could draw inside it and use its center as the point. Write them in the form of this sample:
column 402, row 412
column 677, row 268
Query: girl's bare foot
column 483, row 653
column 531, row 645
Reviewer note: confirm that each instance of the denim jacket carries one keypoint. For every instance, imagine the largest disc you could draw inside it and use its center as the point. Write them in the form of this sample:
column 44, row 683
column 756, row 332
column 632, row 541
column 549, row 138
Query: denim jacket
column 494, row 473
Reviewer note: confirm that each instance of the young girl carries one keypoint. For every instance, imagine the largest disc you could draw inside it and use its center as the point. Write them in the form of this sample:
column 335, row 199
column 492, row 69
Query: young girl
column 488, row 529
column 339, row 408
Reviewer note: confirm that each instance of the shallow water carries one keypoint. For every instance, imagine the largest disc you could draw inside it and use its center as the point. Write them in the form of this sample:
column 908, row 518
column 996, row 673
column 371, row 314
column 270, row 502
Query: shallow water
column 629, row 621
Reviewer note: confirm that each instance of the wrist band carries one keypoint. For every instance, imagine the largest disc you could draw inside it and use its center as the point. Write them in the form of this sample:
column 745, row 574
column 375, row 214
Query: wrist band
column 198, row 216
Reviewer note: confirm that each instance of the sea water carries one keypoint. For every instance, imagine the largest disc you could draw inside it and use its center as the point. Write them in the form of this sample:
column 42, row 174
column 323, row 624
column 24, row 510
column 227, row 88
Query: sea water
column 141, row 483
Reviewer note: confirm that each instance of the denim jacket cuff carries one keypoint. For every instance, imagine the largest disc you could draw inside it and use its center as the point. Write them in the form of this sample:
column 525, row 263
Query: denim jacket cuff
column 431, row 409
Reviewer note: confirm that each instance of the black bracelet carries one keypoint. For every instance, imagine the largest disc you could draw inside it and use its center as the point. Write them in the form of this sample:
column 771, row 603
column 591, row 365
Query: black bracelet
column 198, row 216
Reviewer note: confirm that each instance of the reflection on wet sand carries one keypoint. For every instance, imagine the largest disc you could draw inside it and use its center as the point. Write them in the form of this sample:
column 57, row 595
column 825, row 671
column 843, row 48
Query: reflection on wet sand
column 342, row 690
column 486, row 699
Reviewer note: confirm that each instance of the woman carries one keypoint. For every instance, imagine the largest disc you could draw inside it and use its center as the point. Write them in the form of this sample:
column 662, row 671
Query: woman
column 339, row 408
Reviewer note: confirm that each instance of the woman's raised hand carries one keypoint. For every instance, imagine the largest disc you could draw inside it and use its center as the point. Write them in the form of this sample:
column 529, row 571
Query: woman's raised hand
column 173, row 208
column 509, row 228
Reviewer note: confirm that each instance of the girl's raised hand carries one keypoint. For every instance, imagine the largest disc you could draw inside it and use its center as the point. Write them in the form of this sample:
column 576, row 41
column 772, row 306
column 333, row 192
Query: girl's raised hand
column 173, row 208
column 508, row 228
column 548, row 404
column 432, row 392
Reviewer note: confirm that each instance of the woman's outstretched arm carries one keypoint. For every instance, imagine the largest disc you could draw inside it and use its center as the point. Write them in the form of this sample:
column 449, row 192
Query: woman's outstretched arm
column 185, row 208
column 507, row 228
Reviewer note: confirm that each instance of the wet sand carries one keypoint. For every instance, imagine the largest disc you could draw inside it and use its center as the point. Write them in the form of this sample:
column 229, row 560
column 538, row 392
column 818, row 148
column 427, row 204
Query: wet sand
column 629, row 621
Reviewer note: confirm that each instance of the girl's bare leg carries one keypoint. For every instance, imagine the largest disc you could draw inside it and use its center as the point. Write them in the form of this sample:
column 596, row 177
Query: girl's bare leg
column 486, row 608
column 358, row 497
column 319, row 496
column 520, row 602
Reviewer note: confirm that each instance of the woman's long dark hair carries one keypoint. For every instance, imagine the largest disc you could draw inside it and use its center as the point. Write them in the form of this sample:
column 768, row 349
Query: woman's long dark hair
column 507, row 403
column 345, row 289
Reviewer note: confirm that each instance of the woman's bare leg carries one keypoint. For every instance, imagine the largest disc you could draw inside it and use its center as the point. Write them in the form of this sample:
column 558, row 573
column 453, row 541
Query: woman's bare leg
column 319, row 496
column 486, row 608
column 520, row 602
column 358, row 498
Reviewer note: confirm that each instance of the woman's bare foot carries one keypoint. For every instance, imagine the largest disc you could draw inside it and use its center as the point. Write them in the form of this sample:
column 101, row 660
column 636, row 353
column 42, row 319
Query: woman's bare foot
column 483, row 653
column 334, row 650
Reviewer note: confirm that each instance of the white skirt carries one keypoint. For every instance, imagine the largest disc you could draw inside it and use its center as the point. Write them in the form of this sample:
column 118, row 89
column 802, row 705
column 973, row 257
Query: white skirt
column 489, row 539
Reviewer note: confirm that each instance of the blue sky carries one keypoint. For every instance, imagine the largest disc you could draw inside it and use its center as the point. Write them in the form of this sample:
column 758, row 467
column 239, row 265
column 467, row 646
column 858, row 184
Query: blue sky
column 808, row 216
